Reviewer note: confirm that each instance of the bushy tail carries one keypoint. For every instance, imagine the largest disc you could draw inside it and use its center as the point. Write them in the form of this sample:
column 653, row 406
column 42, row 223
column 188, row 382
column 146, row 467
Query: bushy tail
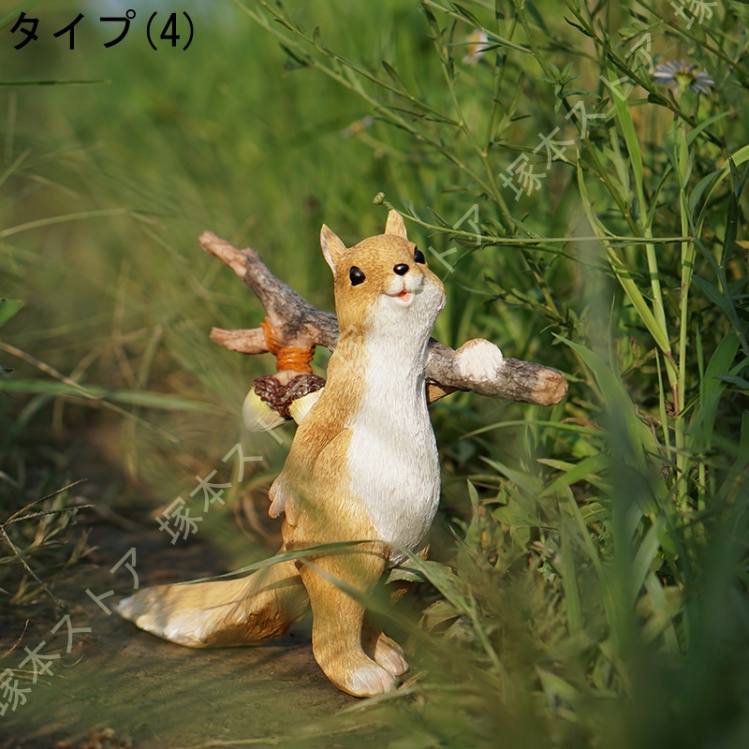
column 246, row 611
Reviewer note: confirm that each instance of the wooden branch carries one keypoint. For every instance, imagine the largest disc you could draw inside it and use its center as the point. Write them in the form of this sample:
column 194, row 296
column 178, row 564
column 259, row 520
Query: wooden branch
column 293, row 318
column 243, row 341
column 515, row 380
column 298, row 324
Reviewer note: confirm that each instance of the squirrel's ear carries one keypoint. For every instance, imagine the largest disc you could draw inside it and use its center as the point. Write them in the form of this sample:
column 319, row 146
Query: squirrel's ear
column 332, row 247
column 395, row 225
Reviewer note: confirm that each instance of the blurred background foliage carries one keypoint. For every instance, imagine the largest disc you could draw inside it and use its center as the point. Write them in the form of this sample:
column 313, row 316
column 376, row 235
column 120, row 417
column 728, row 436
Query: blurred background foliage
column 592, row 573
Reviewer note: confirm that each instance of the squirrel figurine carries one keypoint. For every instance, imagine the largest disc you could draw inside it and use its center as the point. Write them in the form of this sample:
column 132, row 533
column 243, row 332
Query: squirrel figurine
column 363, row 467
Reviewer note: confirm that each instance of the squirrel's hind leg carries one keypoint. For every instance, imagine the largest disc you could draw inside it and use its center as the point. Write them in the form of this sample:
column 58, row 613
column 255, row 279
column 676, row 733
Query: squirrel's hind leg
column 338, row 622
column 376, row 643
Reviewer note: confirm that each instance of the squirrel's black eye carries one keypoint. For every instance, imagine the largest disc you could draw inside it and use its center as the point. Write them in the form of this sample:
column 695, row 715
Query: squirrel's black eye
column 356, row 276
column 419, row 256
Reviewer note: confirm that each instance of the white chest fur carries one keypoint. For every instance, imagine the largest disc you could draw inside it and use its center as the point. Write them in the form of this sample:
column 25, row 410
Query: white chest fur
column 392, row 457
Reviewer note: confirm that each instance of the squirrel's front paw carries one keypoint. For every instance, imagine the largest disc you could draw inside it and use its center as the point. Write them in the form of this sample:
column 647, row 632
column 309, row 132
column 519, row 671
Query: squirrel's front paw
column 479, row 360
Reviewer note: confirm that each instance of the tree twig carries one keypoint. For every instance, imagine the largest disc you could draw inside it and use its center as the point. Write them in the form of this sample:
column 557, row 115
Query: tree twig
column 297, row 324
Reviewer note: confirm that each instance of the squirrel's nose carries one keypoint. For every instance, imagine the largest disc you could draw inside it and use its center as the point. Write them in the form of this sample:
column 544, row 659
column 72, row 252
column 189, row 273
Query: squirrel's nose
column 401, row 269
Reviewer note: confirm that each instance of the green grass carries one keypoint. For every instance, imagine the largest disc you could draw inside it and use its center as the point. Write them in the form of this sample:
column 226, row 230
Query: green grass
column 594, row 589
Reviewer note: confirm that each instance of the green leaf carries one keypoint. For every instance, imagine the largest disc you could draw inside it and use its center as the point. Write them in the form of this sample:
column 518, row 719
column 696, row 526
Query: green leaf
column 644, row 558
column 525, row 227
column 711, row 390
column 738, row 381
column 586, row 470
column 470, row 17
column 556, row 688
column 696, row 131
column 446, row 582
column 161, row 401
column 13, row 14
column 621, row 105
column 338, row 547
column 739, row 157
column 622, row 273
column 664, row 606
column 616, row 400
column 698, row 191
column 294, row 58
column 568, row 568
column 743, row 451
column 432, row 21
column 714, row 294
column 732, row 218
column 73, row 82
column 474, row 497
column 681, row 153
column 583, row 537
column 8, row 309
column 393, row 73
column 438, row 613
column 526, row 481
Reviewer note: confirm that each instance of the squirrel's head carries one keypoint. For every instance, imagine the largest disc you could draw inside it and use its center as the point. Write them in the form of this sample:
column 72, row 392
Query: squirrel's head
column 383, row 281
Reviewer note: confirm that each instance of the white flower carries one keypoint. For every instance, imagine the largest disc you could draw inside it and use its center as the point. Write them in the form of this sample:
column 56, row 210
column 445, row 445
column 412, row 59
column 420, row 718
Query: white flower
column 476, row 46
column 681, row 77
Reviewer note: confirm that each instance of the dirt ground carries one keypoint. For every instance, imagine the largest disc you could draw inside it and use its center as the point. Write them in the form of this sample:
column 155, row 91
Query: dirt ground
column 111, row 685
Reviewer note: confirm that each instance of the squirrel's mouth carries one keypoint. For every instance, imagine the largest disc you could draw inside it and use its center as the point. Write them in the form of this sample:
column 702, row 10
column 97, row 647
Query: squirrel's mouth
column 404, row 296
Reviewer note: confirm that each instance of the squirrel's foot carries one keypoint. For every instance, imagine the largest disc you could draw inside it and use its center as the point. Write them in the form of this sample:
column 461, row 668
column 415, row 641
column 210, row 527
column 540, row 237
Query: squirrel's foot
column 389, row 654
column 360, row 676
